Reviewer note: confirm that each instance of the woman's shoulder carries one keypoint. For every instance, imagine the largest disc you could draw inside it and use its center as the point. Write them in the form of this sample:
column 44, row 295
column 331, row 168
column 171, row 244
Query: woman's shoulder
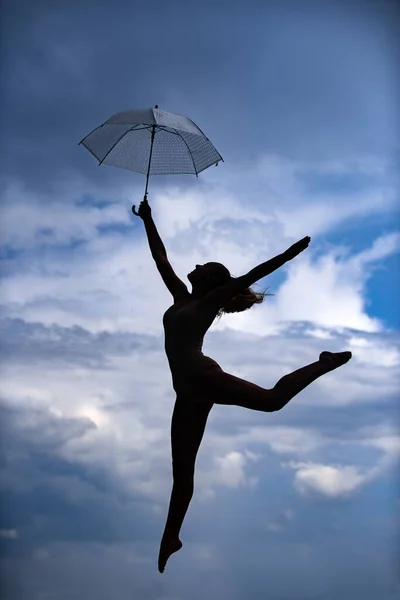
column 186, row 306
column 183, row 302
column 180, row 304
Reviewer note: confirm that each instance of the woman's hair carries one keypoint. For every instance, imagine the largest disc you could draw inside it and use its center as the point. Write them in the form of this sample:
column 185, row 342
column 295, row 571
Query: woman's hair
column 242, row 301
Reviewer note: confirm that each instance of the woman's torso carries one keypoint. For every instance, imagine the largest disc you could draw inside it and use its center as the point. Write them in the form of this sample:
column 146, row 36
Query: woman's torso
column 185, row 325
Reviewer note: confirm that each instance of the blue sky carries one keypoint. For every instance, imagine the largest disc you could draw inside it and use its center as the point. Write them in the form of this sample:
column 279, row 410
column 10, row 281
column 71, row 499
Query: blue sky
column 301, row 100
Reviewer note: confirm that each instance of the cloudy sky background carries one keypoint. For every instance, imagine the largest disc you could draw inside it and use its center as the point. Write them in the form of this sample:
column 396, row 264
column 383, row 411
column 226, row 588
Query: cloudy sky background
column 301, row 100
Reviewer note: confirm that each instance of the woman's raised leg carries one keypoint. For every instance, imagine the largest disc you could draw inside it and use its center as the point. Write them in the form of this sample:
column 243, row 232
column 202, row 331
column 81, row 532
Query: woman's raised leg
column 223, row 388
column 290, row 385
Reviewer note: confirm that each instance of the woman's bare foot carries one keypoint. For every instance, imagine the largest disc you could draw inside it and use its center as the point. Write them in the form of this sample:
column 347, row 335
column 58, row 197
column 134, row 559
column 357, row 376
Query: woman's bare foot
column 335, row 359
column 168, row 546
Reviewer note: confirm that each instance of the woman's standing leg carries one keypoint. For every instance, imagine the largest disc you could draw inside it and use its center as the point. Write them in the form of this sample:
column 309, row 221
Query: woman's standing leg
column 189, row 420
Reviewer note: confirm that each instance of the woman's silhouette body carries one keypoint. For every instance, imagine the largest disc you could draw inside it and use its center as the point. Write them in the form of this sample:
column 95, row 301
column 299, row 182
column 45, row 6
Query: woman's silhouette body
column 199, row 382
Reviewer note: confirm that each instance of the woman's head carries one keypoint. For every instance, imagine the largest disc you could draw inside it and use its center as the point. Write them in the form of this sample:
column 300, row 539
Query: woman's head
column 209, row 276
column 206, row 277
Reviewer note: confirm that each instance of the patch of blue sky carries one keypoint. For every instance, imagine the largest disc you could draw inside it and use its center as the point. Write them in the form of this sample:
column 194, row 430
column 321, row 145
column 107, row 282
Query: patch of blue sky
column 382, row 288
column 360, row 232
column 10, row 253
column 383, row 292
column 272, row 282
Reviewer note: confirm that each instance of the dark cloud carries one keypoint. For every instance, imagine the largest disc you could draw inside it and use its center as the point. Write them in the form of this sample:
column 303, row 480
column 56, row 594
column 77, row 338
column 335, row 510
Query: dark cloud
column 49, row 498
column 35, row 343
column 68, row 67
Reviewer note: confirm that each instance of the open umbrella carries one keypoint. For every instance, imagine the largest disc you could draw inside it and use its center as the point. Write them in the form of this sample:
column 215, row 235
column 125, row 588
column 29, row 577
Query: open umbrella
column 152, row 141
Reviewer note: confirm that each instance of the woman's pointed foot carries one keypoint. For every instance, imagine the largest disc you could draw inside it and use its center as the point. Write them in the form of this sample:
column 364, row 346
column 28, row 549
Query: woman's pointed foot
column 168, row 546
column 335, row 359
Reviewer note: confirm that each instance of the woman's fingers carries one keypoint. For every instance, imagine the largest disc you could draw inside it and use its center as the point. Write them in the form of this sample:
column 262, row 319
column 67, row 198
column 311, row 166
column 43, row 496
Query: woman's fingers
column 304, row 242
column 144, row 209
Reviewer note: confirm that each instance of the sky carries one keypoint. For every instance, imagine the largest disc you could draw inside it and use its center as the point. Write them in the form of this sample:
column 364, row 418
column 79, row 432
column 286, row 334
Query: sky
column 301, row 100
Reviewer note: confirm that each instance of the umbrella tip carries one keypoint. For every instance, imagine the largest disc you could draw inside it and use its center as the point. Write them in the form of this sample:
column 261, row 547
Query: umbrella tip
column 156, row 106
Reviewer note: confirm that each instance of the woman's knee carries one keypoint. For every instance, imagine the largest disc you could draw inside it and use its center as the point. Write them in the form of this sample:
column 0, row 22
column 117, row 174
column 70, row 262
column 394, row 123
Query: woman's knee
column 183, row 467
column 183, row 482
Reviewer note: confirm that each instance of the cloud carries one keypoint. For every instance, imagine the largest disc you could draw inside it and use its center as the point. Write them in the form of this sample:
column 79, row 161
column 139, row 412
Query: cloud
column 305, row 112
column 76, row 247
column 285, row 440
column 50, row 495
column 336, row 481
column 329, row 290
column 327, row 480
column 231, row 469
column 67, row 219
column 9, row 534
column 379, row 353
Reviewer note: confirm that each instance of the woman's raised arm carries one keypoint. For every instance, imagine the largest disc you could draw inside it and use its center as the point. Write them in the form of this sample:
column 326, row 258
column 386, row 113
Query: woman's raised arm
column 157, row 247
column 175, row 285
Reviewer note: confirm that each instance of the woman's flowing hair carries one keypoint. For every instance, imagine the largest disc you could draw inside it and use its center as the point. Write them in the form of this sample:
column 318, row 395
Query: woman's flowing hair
column 243, row 301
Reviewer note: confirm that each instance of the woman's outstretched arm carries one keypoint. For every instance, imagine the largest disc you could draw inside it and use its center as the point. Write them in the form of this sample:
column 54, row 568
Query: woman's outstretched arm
column 268, row 267
column 219, row 296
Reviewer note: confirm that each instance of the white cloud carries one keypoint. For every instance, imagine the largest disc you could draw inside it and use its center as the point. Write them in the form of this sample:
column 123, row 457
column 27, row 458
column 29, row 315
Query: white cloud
column 324, row 208
column 231, row 469
column 228, row 470
column 322, row 216
column 329, row 291
column 334, row 481
column 374, row 352
column 330, row 481
column 381, row 248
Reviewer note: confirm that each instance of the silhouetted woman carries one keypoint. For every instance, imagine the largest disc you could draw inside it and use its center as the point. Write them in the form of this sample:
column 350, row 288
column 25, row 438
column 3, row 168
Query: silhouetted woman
column 199, row 382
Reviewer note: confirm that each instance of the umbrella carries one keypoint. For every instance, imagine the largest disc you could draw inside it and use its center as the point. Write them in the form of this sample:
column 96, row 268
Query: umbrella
column 152, row 141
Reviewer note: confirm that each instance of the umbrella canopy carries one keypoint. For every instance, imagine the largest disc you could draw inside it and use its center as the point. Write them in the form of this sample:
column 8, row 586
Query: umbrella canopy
column 152, row 141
